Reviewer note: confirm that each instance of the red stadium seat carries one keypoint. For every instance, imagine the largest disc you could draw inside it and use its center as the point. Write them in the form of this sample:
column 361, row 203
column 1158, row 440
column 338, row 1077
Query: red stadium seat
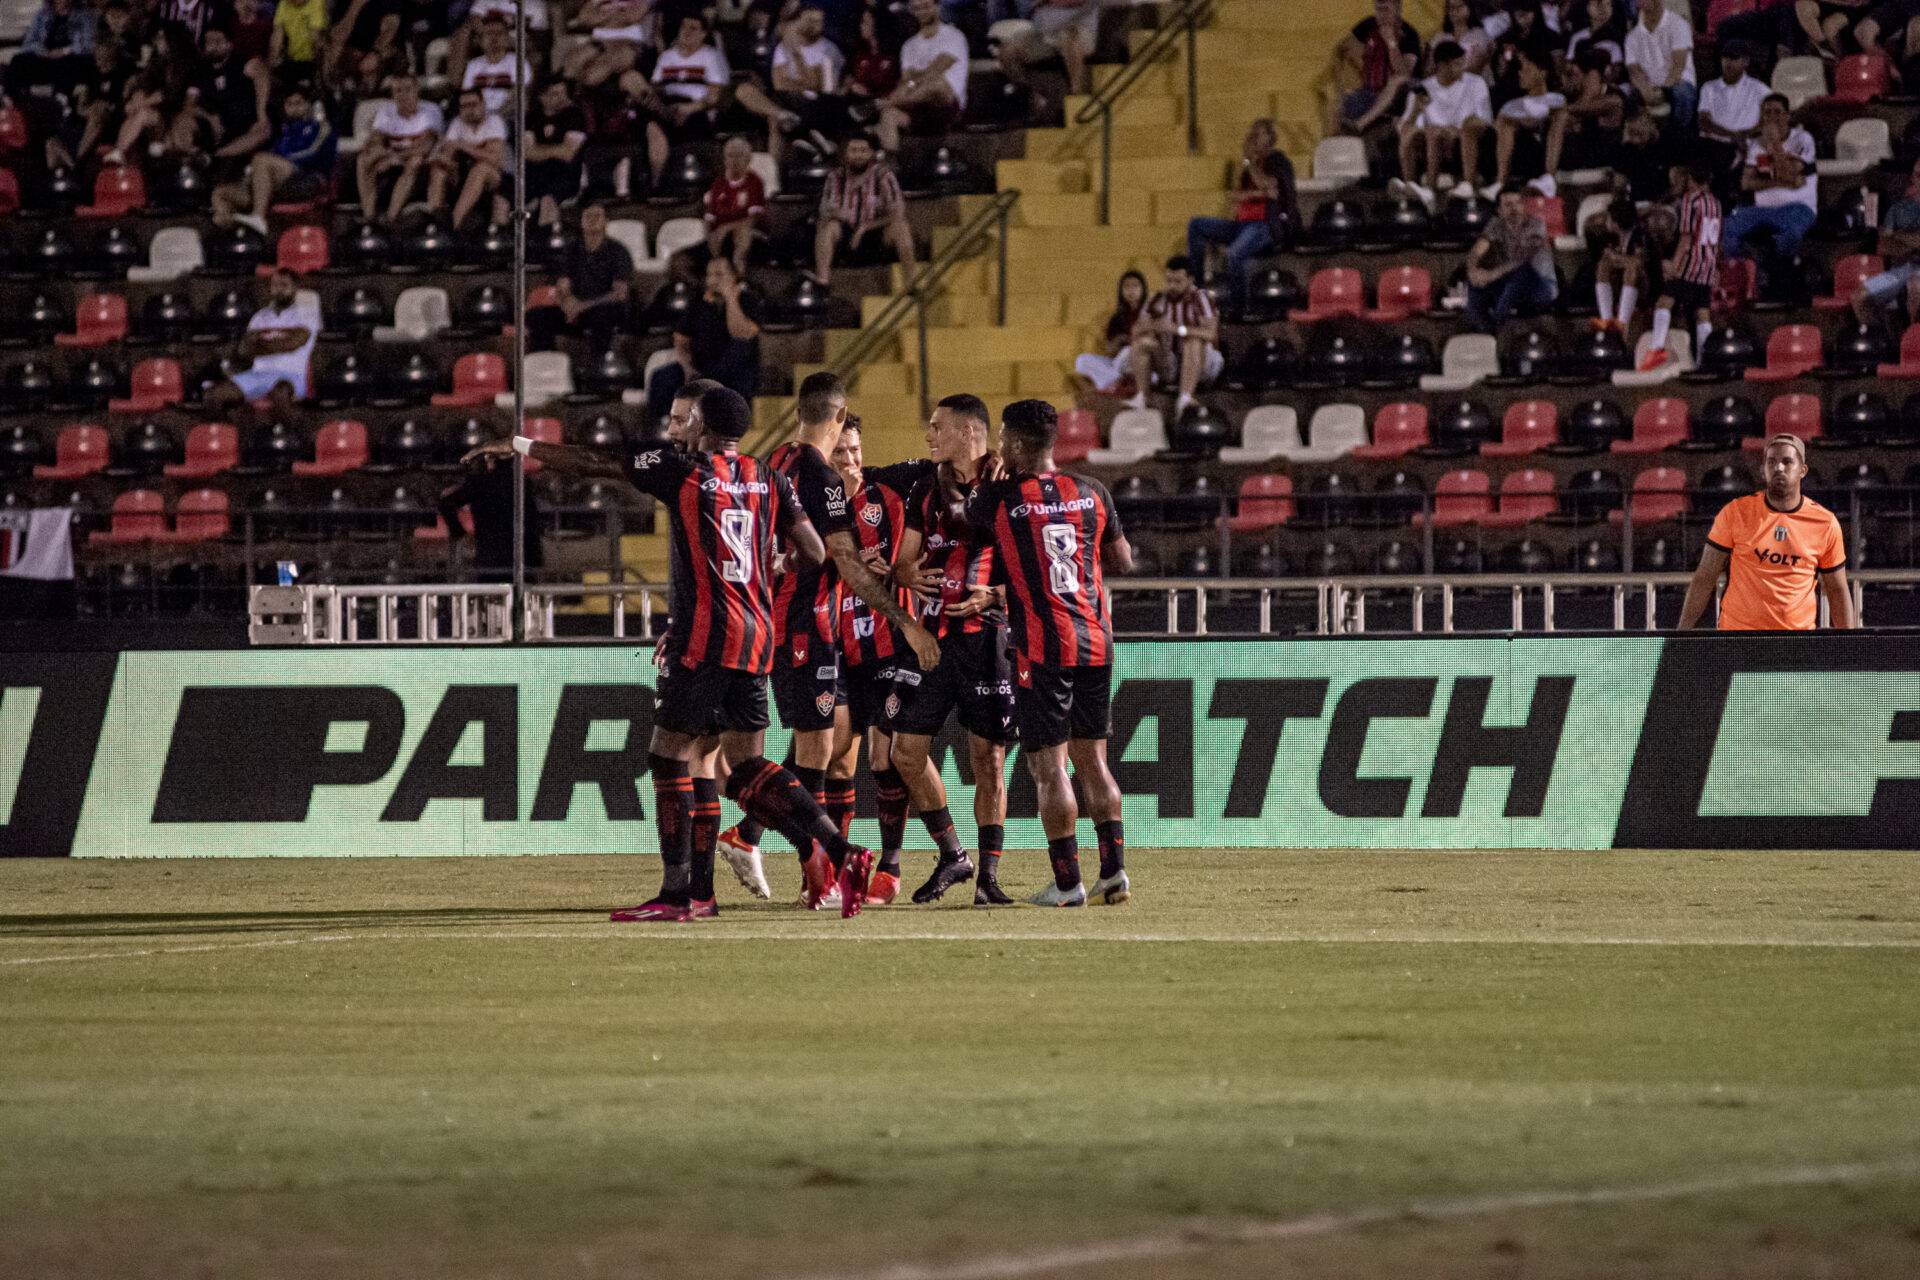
column 1862, row 77
column 1460, row 497
column 1909, row 366
column 338, row 447
column 1530, row 426
column 1797, row 414
column 78, row 451
column 302, row 250
column 99, row 319
column 9, row 191
column 1657, row 424
column 1334, row 291
column 201, row 516
column 139, row 515
column 1401, row 292
column 1550, row 210
column 118, row 190
column 1792, row 351
column 13, row 128
column 156, row 384
column 1739, row 282
column 547, row 430
column 1079, row 436
column 1525, row 496
column 1718, row 11
column 1266, row 502
column 543, row 296
column 437, row 531
column 1659, row 493
column 212, row 447
column 1398, row 429
column 477, row 379
column 1849, row 274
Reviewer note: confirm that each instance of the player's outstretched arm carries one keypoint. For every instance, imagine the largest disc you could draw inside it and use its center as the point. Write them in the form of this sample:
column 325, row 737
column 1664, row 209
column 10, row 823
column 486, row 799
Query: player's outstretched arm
column 566, row 459
column 879, row 597
column 1713, row 562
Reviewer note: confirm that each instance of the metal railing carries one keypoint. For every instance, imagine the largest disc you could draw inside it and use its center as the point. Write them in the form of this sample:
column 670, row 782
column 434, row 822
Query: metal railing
column 439, row 613
column 1183, row 22
column 989, row 222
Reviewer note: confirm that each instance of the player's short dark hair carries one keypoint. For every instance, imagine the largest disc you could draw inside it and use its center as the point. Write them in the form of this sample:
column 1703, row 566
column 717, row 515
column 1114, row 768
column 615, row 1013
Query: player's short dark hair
column 817, row 394
column 1446, row 51
column 695, row 389
column 1180, row 262
column 971, row 407
column 1515, row 189
column 851, row 424
column 1035, row 422
column 725, row 412
column 1780, row 98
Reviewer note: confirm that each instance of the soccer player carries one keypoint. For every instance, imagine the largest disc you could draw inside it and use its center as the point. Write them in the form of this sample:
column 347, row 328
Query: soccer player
column 1775, row 546
column 1051, row 533
column 951, row 569
column 726, row 511
column 1695, row 265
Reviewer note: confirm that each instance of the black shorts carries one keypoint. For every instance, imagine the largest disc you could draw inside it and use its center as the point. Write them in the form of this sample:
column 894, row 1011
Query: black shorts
column 1688, row 297
column 974, row 678
column 701, row 701
column 868, row 687
column 807, row 692
column 1055, row 704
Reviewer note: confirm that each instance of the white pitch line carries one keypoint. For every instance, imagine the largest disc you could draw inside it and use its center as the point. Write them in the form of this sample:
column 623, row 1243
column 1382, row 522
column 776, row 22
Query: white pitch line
column 1204, row 1235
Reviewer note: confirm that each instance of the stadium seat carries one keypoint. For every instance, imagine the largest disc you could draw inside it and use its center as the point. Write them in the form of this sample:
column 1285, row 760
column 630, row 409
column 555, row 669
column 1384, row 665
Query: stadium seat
column 477, row 378
column 118, row 190
column 1679, row 360
column 338, row 447
column 1659, row 493
column 1079, row 435
column 9, row 191
column 1657, row 424
column 1136, row 435
column 174, row 252
column 212, row 447
column 1800, row 79
column 1269, row 431
column 1909, row 366
column 631, row 235
column 547, row 431
column 676, row 235
column 657, row 361
column 1795, row 414
column 77, row 451
column 1335, row 291
column 139, row 515
column 1858, row 145
column 98, row 319
column 1525, row 496
column 1459, row 497
column 420, row 313
column 437, row 531
column 1466, row 360
column 200, row 516
column 1398, row 429
column 13, row 127
column 1401, row 292
column 1861, row 77
column 1550, row 210
column 763, row 164
column 1334, row 431
column 1529, row 426
column 549, row 377
column 1337, row 162
column 1573, row 239
column 1266, row 502
column 302, row 250
column 155, row 384
column 1792, row 351
column 1849, row 273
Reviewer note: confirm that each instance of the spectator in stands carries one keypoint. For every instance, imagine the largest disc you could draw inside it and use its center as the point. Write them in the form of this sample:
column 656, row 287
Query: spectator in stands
column 404, row 133
column 1525, row 38
column 223, row 115
column 1730, row 108
column 808, row 79
column 1645, row 157
column 1827, row 24
column 487, row 491
column 556, row 132
column 1690, row 274
column 683, row 99
column 470, row 156
column 1600, row 24
column 1463, row 28
column 1890, row 28
column 734, row 205
column 1448, row 116
column 1371, row 64
column 299, row 40
column 250, row 26
column 1618, row 240
column 1586, row 135
column 591, row 291
column 298, row 167
column 1176, row 339
column 1110, row 372
column 57, row 51
column 278, row 346
column 932, row 90
column 367, row 50
column 873, row 63
column 493, row 70
column 461, row 42
column 717, row 338
column 1522, row 131
column 1899, row 248
column 1786, row 196
column 1266, row 209
column 1660, row 63
column 619, row 33
column 1510, row 267
column 861, row 198
column 1068, row 28
column 96, row 106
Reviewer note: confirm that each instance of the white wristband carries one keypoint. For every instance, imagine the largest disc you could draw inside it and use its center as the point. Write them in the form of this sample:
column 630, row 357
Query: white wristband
column 523, row 444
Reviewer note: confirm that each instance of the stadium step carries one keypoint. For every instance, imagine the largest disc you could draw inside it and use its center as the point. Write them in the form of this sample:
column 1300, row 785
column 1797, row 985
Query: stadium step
column 1130, row 141
column 1042, row 176
column 1163, row 109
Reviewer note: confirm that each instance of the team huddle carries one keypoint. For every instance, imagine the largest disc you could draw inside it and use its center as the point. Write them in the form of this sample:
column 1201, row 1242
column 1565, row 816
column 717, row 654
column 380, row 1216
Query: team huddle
column 881, row 602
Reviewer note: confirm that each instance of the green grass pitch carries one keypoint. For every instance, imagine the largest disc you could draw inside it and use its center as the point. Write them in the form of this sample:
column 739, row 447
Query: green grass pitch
column 1301, row 1064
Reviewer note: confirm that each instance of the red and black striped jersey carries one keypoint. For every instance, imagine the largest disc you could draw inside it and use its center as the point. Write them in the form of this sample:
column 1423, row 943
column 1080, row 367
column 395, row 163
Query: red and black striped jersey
column 879, row 516
column 1048, row 532
column 724, row 510
column 963, row 554
column 806, row 600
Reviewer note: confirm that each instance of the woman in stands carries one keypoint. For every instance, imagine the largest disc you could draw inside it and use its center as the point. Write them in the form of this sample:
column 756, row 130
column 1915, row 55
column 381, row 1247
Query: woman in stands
column 1467, row 31
column 1108, row 373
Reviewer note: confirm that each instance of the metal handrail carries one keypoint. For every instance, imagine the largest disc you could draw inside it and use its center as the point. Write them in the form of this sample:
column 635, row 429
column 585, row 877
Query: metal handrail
column 1184, row 20
column 915, row 298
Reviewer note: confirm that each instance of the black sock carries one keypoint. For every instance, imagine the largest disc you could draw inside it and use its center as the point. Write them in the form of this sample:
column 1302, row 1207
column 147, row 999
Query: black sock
column 673, row 817
column 749, row 830
column 940, row 827
column 1064, row 853
column 993, row 836
column 815, row 781
column 1113, row 847
column 776, row 797
column 839, row 805
column 891, row 793
column 705, row 834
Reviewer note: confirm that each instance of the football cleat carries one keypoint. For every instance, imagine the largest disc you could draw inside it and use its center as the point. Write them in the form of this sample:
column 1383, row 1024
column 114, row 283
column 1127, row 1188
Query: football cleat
column 817, row 882
column 658, row 911
column 745, row 860
column 883, row 889
column 853, row 882
column 988, row 893
column 1111, row 890
column 1654, row 360
column 947, row 873
column 702, row 909
column 1054, row 896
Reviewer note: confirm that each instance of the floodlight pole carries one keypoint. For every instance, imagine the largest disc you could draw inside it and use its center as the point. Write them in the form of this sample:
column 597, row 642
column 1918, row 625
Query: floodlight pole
column 517, row 141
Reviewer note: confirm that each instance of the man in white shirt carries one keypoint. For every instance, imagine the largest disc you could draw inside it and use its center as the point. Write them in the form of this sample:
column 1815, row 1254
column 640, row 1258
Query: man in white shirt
column 1448, row 114
column 1068, row 28
column 807, row 69
column 1730, row 106
column 470, row 156
column 933, row 79
column 493, row 71
column 404, row 133
column 683, row 99
column 280, row 340
column 1660, row 63
column 1786, row 194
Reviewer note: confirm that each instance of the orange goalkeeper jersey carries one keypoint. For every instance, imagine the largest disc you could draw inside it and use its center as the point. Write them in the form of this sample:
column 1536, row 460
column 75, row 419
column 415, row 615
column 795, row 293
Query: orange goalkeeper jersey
column 1774, row 562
